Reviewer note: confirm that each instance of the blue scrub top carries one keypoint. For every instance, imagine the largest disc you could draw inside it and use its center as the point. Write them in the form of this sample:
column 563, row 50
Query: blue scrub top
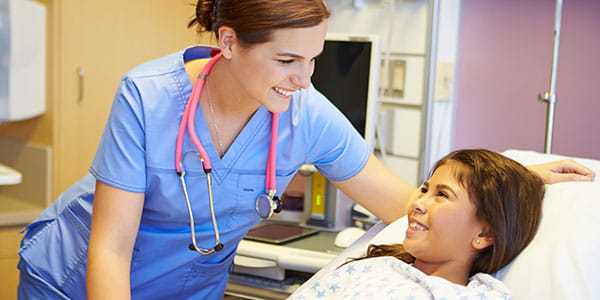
column 136, row 153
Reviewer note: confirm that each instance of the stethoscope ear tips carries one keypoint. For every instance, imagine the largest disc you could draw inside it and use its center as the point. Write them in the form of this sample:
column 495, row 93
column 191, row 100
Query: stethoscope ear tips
column 219, row 247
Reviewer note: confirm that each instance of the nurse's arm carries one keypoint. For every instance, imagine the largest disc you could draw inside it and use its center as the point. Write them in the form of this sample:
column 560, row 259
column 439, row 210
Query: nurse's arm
column 379, row 190
column 115, row 223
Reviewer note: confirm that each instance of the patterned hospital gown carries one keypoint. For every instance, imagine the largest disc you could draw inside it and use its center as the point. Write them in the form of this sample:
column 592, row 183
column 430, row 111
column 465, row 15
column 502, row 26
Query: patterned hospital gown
column 389, row 278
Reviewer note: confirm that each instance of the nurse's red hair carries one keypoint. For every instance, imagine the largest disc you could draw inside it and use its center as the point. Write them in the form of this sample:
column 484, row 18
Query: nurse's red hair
column 254, row 20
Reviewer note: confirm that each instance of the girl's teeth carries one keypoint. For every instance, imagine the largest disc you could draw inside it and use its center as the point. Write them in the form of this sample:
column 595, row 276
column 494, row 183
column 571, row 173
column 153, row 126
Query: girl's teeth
column 416, row 226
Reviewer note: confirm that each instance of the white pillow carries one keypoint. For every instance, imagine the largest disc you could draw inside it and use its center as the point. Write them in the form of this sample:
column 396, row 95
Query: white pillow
column 563, row 260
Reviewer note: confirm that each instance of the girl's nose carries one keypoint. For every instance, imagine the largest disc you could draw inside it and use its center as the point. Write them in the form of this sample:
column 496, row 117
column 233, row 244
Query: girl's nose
column 420, row 205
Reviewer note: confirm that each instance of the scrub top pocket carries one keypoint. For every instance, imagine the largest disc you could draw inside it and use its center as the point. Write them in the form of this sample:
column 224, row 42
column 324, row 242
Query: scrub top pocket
column 213, row 278
column 56, row 250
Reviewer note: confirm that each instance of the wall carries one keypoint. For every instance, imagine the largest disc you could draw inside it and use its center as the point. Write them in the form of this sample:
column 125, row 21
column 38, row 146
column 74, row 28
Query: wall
column 505, row 53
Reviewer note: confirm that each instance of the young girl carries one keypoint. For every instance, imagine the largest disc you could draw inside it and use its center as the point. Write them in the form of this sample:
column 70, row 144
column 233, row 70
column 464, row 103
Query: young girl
column 473, row 216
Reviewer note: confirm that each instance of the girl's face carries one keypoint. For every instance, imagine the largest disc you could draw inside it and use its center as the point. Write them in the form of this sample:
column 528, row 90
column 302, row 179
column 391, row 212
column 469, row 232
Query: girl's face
column 269, row 73
column 442, row 226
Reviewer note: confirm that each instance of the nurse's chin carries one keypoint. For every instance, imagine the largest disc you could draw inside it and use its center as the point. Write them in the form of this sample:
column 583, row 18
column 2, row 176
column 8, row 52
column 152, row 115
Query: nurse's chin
column 279, row 107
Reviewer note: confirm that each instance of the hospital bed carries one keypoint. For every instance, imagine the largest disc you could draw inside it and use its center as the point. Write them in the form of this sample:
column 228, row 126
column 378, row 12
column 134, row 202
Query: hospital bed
column 563, row 260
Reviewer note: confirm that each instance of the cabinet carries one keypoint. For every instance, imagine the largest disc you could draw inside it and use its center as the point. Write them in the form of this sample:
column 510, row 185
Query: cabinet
column 96, row 43
column 9, row 241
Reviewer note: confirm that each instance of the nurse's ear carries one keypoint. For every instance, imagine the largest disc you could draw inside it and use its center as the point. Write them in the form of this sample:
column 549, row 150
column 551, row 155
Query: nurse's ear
column 227, row 41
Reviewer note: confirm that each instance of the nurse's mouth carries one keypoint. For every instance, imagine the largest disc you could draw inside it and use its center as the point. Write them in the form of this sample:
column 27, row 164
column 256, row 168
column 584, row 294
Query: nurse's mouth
column 283, row 92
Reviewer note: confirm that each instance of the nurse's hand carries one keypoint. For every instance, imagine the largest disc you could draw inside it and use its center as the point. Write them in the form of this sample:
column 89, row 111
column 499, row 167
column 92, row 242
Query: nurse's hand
column 562, row 170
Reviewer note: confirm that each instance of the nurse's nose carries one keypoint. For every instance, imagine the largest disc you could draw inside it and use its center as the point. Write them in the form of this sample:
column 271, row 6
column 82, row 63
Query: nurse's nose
column 302, row 77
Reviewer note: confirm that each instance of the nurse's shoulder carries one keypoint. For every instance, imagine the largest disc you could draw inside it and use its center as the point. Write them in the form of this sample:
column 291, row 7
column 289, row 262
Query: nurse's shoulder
column 157, row 67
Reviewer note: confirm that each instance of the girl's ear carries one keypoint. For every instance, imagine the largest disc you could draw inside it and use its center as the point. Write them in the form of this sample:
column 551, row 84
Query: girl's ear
column 226, row 41
column 483, row 240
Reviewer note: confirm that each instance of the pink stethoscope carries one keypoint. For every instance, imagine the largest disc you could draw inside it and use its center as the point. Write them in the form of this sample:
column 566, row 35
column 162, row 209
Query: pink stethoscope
column 266, row 204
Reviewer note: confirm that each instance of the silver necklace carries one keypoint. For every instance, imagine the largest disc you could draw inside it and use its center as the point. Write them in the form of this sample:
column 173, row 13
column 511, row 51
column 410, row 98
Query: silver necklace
column 220, row 148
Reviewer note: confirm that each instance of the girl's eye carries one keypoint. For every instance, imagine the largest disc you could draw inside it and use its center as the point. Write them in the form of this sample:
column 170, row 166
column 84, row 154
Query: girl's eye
column 423, row 190
column 442, row 194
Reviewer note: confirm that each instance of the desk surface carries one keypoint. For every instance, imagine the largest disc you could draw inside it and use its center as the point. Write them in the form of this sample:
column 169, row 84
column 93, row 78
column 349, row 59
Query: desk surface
column 320, row 242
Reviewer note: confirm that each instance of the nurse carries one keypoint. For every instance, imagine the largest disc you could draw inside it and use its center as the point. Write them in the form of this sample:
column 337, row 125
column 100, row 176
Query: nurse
column 252, row 121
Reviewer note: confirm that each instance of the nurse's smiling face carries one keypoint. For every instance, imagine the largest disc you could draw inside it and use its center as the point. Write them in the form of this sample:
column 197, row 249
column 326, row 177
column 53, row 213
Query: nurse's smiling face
column 442, row 225
column 270, row 72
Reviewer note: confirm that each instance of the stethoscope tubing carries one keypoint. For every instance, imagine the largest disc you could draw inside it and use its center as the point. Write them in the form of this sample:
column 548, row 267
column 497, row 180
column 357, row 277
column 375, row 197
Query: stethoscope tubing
column 270, row 183
column 187, row 124
column 194, row 245
column 189, row 114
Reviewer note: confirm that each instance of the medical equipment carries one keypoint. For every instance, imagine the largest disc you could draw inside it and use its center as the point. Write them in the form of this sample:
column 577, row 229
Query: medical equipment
column 23, row 59
column 347, row 236
column 347, row 73
column 550, row 96
column 9, row 176
column 266, row 204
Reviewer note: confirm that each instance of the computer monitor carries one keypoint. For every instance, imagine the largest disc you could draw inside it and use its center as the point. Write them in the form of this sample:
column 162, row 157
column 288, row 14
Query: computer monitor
column 347, row 73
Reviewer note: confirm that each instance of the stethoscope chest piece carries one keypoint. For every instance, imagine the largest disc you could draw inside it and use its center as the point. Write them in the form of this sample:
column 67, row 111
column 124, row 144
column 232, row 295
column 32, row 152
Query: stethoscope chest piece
column 266, row 206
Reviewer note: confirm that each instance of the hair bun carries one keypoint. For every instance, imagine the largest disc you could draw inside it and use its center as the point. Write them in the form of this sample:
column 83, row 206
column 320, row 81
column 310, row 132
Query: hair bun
column 205, row 15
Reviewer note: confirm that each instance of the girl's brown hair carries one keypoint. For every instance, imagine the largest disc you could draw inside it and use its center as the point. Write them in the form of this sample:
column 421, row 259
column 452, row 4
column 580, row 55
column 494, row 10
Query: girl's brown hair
column 254, row 20
column 507, row 197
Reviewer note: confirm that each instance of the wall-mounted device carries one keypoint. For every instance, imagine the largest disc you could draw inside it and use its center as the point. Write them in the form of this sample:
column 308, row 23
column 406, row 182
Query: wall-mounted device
column 347, row 73
column 22, row 59
column 9, row 176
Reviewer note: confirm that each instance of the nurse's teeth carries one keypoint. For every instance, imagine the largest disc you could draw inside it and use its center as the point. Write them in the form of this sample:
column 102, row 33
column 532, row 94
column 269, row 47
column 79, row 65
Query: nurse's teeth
column 283, row 92
column 416, row 226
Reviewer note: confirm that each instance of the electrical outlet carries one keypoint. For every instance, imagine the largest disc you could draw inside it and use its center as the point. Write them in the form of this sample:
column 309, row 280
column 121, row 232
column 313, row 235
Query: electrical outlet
column 444, row 81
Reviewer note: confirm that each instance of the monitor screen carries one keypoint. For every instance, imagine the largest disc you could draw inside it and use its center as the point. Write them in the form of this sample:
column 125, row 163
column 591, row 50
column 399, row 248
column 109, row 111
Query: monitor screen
column 347, row 74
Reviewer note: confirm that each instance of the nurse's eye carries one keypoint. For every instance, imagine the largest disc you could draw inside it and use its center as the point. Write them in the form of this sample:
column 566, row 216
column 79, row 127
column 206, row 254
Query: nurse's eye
column 285, row 61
